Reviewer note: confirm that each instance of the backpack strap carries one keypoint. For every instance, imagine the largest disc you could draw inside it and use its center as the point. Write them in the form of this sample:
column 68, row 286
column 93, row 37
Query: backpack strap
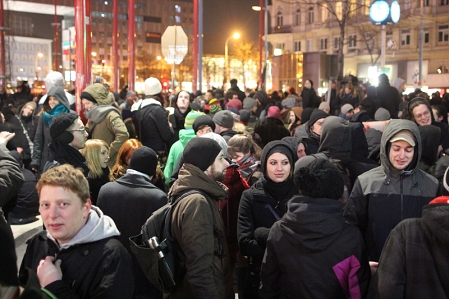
column 167, row 227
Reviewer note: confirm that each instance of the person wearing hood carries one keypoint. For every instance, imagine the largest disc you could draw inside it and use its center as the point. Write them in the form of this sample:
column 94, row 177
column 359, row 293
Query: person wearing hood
column 55, row 103
column 104, row 121
column 394, row 191
column 78, row 255
column 56, row 79
column 414, row 260
column 260, row 207
column 150, row 118
column 28, row 122
column 299, row 145
column 313, row 245
column 135, row 194
column 311, row 129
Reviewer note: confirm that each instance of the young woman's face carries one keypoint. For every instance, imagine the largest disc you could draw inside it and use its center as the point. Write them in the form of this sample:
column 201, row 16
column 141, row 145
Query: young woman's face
column 292, row 117
column 307, row 84
column 52, row 102
column 238, row 156
column 278, row 167
column 104, row 157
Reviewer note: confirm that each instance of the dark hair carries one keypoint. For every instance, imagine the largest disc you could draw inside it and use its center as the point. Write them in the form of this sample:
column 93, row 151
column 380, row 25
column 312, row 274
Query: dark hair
column 415, row 103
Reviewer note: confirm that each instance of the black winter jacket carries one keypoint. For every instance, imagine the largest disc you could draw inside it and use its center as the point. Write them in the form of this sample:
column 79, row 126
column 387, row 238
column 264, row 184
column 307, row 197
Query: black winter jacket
column 254, row 213
column 384, row 196
column 414, row 263
column 312, row 252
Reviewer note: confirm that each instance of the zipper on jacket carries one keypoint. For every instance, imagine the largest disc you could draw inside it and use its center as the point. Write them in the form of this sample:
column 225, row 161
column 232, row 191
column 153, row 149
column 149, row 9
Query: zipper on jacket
column 402, row 200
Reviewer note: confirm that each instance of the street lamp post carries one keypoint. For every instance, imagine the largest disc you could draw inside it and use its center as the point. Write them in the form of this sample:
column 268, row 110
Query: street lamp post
column 263, row 31
column 160, row 63
column 236, row 35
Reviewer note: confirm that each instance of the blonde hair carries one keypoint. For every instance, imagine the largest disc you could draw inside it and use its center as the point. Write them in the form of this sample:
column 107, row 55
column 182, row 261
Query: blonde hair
column 92, row 152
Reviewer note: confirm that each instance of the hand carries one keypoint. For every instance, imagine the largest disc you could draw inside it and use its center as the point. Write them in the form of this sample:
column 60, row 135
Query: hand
column 373, row 266
column 47, row 272
column 19, row 150
column 6, row 136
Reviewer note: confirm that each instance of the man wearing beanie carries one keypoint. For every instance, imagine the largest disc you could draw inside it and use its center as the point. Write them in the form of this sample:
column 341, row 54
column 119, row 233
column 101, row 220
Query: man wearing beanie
column 104, row 121
column 150, row 118
column 321, row 245
column 135, row 194
column 224, row 121
column 196, row 223
column 250, row 105
column 414, row 260
column 394, row 191
column 176, row 149
column 68, row 137
column 312, row 129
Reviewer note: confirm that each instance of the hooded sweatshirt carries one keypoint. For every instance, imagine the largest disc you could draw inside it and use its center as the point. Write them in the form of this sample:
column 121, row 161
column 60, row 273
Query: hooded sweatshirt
column 176, row 150
column 384, row 196
column 105, row 122
column 109, row 270
column 314, row 245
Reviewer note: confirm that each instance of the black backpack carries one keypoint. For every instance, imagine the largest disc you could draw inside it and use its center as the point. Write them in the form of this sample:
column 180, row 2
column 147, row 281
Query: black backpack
column 157, row 252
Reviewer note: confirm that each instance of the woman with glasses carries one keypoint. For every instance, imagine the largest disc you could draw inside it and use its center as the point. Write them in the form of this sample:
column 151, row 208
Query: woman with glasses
column 55, row 104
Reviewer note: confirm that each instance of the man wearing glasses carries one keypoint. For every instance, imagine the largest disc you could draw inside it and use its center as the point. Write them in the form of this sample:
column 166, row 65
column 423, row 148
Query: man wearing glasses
column 69, row 136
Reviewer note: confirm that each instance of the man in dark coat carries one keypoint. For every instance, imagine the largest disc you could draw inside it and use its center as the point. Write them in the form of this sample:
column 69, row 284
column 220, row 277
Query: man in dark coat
column 384, row 196
column 177, row 119
column 197, row 226
column 78, row 256
column 389, row 97
column 130, row 201
column 414, row 262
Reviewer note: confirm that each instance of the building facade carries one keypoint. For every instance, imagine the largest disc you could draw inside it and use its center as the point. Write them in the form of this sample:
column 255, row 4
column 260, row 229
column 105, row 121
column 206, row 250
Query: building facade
column 302, row 27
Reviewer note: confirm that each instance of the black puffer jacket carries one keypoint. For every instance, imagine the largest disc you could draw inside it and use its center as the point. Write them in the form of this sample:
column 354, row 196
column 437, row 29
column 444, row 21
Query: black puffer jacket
column 384, row 196
column 313, row 246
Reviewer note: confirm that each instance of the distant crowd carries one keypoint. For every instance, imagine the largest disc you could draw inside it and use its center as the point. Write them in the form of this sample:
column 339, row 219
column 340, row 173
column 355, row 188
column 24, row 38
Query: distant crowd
column 280, row 195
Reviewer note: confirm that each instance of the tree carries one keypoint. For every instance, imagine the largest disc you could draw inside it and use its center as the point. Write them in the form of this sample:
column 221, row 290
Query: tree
column 248, row 56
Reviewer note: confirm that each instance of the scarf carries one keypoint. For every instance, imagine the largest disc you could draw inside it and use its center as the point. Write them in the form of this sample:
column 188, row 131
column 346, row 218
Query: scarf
column 246, row 165
column 48, row 116
column 67, row 154
column 279, row 191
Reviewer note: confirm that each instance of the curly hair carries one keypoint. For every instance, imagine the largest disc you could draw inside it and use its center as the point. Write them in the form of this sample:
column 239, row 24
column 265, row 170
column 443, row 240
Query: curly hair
column 123, row 156
column 67, row 177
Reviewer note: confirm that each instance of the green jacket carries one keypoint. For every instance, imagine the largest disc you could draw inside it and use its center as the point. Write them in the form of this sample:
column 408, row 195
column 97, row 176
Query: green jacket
column 176, row 150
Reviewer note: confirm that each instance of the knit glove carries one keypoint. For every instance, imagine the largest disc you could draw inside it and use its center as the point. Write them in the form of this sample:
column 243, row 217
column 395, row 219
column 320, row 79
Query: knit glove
column 261, row 236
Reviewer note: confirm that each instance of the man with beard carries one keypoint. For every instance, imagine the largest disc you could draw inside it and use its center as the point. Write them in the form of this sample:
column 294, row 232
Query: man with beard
column 196, row 223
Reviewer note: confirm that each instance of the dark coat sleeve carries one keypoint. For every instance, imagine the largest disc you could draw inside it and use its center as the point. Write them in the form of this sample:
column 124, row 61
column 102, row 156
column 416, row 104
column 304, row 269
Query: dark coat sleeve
column 162, row 125
column 11, row 177
column 356, row 210
column 38, row 143
column 246, row 227
column 270, row 286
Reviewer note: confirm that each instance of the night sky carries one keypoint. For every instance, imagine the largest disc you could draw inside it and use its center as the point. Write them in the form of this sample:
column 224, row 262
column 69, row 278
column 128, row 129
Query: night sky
column 223, row 17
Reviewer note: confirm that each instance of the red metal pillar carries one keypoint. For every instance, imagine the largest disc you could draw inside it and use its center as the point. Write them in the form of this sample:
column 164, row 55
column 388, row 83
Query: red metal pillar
column 88, row 42
column 55, row 25
column 261, row 17
column 131, row 45
column 195, row 47
column 115, row 36
column 80, row 82
column 2, row 46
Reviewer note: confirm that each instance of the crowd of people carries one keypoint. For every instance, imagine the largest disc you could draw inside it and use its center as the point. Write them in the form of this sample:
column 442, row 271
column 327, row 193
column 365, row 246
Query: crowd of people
column 282, row 195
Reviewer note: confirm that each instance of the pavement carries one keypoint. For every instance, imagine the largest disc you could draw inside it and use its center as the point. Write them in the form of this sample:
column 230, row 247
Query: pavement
column 22, row 233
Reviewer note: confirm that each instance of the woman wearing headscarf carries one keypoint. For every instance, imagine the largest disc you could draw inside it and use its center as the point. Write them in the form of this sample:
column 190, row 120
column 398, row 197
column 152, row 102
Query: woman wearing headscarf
column 261, row 206
column 313, row 252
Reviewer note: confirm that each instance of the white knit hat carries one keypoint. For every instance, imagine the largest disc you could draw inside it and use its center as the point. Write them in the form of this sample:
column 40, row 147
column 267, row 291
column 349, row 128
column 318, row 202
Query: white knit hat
column 152, row 86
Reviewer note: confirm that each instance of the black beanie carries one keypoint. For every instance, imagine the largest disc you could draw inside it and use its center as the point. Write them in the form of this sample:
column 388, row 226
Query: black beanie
column 305, row 115
column 87, row 96
column 60, row 123
column 316, row 115
column 144, row 160
column 276, row 146
column 203, row 120
column 320, row 179
column 201, row 152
